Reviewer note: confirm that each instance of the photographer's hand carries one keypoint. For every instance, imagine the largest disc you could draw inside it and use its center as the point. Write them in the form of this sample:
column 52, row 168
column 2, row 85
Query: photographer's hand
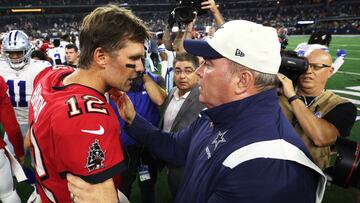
column 188, row 34
column 214, row 9
column 210, row 5
column 287, row 86
column 171, row 20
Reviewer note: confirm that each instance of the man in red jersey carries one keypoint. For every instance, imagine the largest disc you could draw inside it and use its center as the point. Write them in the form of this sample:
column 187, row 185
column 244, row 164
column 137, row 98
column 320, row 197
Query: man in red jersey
column 11, row 126
column 73, row 128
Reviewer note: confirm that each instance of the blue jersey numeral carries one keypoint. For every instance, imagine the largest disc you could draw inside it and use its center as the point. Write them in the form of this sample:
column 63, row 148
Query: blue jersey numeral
column 22, row 93
column 57, row 56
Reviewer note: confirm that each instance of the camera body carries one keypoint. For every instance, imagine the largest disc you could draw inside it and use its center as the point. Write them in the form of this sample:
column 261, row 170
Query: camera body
column 346, row 171
column 292, row 65
column 186, row 10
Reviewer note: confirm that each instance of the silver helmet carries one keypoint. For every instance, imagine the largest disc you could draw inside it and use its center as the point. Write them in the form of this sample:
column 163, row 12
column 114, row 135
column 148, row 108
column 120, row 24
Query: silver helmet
column 17, row 41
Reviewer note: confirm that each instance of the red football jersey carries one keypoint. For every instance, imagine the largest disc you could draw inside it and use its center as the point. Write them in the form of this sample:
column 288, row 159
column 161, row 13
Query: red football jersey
column 73, row 130
column 9, row 122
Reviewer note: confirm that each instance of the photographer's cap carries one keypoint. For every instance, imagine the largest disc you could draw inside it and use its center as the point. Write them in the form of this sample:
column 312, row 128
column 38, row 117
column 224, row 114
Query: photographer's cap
column 249, row 44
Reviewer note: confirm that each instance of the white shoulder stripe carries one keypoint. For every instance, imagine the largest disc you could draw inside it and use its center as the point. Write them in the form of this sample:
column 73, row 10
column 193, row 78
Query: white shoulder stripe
column 275, row 149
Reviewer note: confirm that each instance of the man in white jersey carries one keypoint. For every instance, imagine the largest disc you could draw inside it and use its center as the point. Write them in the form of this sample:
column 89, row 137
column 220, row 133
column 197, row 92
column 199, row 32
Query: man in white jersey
column 57, row 53
column 167, row 60
column 19, row 71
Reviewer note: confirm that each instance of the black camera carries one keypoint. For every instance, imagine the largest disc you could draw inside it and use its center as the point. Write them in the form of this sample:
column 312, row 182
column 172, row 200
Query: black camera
column 185, row 10
column 345, row 172
column 292, row 65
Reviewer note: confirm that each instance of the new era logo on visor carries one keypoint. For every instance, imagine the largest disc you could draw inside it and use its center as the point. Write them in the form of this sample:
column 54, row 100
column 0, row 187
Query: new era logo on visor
column 238, row 52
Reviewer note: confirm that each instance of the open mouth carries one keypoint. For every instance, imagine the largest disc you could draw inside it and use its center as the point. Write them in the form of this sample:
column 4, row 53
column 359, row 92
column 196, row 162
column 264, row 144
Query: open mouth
column 307, row 78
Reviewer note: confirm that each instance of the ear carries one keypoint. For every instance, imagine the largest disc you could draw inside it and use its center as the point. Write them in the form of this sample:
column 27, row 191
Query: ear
column 244, row 80
column 100, row 57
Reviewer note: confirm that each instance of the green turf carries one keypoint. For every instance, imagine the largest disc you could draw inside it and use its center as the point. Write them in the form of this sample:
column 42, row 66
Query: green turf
column 339, row 81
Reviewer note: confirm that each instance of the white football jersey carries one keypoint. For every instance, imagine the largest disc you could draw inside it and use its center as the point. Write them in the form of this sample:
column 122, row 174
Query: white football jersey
column 170, row 55
column 63, row 44
column 20, row 85
column 57, row 53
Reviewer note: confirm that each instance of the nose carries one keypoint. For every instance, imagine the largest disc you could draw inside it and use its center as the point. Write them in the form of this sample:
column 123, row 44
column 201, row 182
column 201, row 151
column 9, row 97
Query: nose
column 200, row 70
column 182, row 74
column 139, row 66
column 309, row 69
column 15, row 55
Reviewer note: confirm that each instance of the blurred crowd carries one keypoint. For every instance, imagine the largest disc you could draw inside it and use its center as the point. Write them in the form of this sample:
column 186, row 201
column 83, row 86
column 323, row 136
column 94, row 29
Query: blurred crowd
column 338, row 17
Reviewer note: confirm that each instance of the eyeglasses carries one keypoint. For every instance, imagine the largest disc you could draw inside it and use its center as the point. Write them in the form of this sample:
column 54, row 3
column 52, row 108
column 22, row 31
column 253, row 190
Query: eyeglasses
column 186, row 71
column 318, row 66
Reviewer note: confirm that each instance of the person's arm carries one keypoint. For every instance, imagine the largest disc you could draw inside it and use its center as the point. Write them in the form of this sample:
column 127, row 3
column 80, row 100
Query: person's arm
column 27, row 143
column 167, row 40
column 320, row 131
column 213, row 8
column 10, row 124
column 171, row 147
column 163, row 55
column 167, row 33
column 178, row 41
column 82, row 191
column 156, row 93
column 188, row 34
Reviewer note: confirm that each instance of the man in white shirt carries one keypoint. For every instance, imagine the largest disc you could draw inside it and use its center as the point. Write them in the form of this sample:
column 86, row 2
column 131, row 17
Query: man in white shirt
column 182, row 106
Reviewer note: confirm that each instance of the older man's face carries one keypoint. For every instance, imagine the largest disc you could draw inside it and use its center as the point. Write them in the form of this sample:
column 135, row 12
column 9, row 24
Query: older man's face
column 216, row 82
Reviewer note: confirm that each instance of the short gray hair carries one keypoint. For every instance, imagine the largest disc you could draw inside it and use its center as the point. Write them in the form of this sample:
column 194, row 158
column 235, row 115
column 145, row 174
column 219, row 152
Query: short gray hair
column 263, row 81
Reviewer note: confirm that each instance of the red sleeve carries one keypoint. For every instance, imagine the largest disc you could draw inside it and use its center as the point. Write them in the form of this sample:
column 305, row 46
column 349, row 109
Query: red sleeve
column 89, row 146
column 41, row 75
column 8, row 119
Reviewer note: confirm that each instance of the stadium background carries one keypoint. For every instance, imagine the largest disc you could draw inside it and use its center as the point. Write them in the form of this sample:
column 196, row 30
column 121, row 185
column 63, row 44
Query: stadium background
column 54, row 18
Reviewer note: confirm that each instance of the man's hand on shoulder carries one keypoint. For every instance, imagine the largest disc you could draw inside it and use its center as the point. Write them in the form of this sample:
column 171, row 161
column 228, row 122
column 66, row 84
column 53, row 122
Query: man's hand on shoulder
column 124, row 104
column 81, row 191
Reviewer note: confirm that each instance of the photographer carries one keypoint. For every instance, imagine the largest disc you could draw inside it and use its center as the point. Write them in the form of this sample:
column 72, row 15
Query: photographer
column 177, row 46
column 185, row 13
column 319, row 116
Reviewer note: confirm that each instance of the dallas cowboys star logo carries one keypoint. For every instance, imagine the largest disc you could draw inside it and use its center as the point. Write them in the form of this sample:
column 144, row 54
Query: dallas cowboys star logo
column 219, row 139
